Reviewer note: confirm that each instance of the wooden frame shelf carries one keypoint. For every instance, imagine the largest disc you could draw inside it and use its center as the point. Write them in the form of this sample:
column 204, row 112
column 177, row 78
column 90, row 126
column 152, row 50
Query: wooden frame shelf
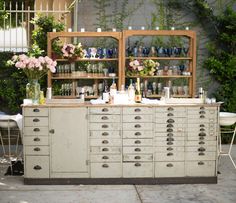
column 160, row 58
column 159, row 95
column 82, row 77
column 89, row 59
column 161, row 76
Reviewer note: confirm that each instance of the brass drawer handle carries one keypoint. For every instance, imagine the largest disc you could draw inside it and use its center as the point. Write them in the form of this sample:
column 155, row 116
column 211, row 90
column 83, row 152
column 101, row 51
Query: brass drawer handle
column 104, row 118
column 137, row 142
column 170, row 125
column 137, row 157
column 37, row 167
column 137, row 134
column 170, row 114
column 105, row 165
column 36, row 120
column 202, row 112
column 105, row 110
column 170, row 109
column 201, row 138
column 170, row 121
column 202, row 134
column 170, row 143
column 137, row 149
column 170, row 154
column 137, row 110
column 201, row 149
column 105, row 134
column 202, row 116
column 202, row 107
column 137, row 126
column 105, row 149
column 170, row 134
column 105, row 142
column 105, row 157
column 36, row 129
column 201, row 125
column 36, row 149
column 201, row 142
column 169, row 165
column 170, row 139
column 169, row 149
column 36, row 139
column 201, row 154
column 169, row 130
column 104, row 126
column 52, row 131
column 36, row 110
column 137, row 164
column 200, row 163
column 137, row 117
column 202, row 129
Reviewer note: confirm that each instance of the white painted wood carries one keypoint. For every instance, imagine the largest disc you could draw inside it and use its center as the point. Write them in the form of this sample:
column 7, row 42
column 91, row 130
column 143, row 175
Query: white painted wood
column 36, row 121
column 105, row 158
column 105, row 142
column 36, row 150
column 137, row 158
column 169, row 156
column 137, row 110
column 138, row 134
column 137, row 142
column 137, row 150
column 200, row 168
column 138, row 170
column 137, row 126
column 105, row 110
column 69, row 142
column 105, row 150
column 105, row 134
column 35, row 111
column 36, row 140
column 105, row 118
column 36, row 131
column 33, row 165
column 137, row 118
column 104, row 126
column 106, row 170
column 169, row 169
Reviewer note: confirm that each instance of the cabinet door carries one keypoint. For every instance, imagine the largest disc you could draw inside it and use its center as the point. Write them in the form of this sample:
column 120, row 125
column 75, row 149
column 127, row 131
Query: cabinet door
column 69, row 146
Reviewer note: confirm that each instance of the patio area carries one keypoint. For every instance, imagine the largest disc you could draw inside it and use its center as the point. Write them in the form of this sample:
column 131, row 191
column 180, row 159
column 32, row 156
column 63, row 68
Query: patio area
column 12, row 190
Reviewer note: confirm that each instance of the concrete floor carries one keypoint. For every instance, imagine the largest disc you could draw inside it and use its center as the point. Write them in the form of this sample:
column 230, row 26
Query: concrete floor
column 12, row 190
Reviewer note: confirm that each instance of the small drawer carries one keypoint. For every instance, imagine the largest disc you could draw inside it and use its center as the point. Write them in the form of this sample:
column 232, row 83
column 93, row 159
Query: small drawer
column 201, row 138
column 202, row 120
column 137, row 126
column 138, row 170
column 105, row 158
column 169, row 138
column 201, row 143
column 206, row 126
column 169, row 129
column 173, row 114
column 104, row 110
column 137, row 150
column 137, row 110
column 35, row 111
column 158, row 143
column 105, row 150
column 137, row 142
column 32, row 131
column 137, row 118
column 170, row 120
column 202, row 116
column 199, row 156
column 35, row 121
column 169, row 109
column 36, row 150
column 169, row 169
column 137, row 157
column 137, row 134
column 202, row 134
column 105, row 142
column 200, row 148
column 36, row 140
column 36, row 167
column 105, row 126
column 200, row 168
column 169, row 134
column 105, row 134
column 169, row 149
column 105, row 118
column 169, row 156
column 106, row 170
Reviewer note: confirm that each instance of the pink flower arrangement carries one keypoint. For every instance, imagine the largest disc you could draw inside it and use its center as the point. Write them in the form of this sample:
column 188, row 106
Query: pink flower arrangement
column 33, row 67
column 70, row 51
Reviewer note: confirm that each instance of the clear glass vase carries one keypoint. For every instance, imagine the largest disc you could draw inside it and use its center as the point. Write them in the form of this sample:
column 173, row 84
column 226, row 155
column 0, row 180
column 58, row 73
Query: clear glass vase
column 33, row 91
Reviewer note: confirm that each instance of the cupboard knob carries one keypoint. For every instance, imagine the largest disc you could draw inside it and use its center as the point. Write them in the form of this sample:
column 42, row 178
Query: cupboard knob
column 137, row 126
column 137, row 110
column 37, row 149
column 105, row 142
column 105, row 110
column 137, row 142
column 36, row 129
column 36, row 139
column 137, row 134
column 104, row 118
column 137, row 118
column 37, row 167
column 169, row 165
column 137, row 157
column 137, row 149
column 137, row 164
column 36, row 120
column 105, row 165
column 36, row 110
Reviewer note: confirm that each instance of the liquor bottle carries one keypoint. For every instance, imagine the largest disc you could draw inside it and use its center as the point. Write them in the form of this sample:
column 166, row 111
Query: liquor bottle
column 105, row 94
column 131, row 92
column 113, row 90
column 138, row 96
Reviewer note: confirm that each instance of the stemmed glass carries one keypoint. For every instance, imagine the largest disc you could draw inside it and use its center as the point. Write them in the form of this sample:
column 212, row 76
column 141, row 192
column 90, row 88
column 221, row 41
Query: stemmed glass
column 185, row 50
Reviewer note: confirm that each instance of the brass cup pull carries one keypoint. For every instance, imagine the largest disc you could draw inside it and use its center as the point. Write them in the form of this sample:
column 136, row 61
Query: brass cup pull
column 169, row 130
column 201, row 149
column 169, row 165
column 169, row 143
column 170, row 114
column 202, row 134
column 36, row 120
column 170, row 139
column 202, row 112
column 170, row 154
column 137, row 134
column 202, row 107
column 105, row 110
column 170, row 109
column 36, row 129
column 201, row 142
column 201, row 125
column 137, row 157
column 201, row 154
column 105, row 165
column 170, row 125
column 137, row 164
column 36, row 110
column 52, row 131
column 169, row 149
column 105, row 149
column 104, row 118
column 104, row 126
column 105, row 142
column 137, row 117
column 202, row 116
column 137, row 110
column 105, row 157
column 137, row 149
column 137, row 142
column 170, row 134
column 200, row 163
column 201, row 138
column 36, row 149
column 37, row 167
column 137, row 126
column 202, row 129
column 170, row 121
column 105, row 134
column 36, row 139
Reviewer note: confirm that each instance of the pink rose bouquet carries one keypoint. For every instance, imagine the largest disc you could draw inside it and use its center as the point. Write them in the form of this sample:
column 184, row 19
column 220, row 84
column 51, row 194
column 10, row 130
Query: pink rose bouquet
column 70, row 51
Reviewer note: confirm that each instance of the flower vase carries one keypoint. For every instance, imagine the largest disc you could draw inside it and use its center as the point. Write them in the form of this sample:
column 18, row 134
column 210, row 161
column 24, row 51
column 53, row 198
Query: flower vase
column 33, row 91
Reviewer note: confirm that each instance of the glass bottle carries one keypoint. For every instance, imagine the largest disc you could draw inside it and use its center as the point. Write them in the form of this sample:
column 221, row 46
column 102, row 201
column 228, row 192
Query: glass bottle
column 131, row 91
column 113, row 90
column 138, row 96
column 105, row 94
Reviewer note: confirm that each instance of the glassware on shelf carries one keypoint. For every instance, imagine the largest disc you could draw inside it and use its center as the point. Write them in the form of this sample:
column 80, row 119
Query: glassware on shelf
column 186, row 90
